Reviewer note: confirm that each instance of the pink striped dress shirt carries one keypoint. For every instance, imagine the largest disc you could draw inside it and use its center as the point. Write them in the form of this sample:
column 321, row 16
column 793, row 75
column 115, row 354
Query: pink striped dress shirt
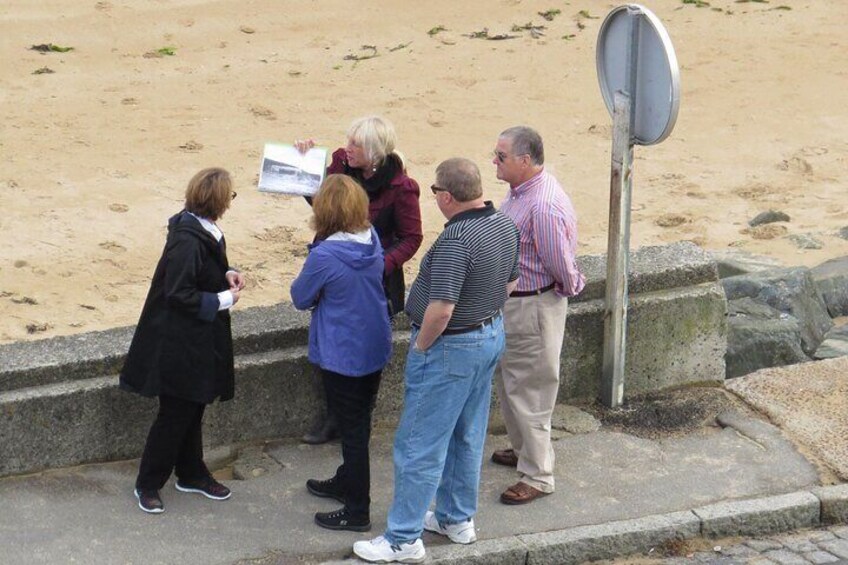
column 548, row 232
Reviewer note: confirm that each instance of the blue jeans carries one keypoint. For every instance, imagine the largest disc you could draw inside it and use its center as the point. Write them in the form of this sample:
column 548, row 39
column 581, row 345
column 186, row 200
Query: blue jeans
column 438, row 447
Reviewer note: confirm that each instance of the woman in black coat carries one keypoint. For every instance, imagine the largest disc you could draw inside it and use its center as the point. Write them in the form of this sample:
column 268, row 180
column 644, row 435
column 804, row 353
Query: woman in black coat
column 182, row 350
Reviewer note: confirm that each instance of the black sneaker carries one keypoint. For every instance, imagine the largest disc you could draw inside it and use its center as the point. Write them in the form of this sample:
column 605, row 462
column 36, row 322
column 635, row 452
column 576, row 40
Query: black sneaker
column 342, row 520
column 208, row 487
column 331, row 488
column 149, row 501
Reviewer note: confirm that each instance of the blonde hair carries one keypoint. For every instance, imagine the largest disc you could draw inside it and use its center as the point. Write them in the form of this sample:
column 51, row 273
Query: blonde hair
column 376, row 136
column 340, row 205
column 209, row 193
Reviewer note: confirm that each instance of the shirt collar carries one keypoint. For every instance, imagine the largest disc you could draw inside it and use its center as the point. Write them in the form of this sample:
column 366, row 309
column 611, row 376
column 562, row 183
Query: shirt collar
column 528, row 185
column 482, row 212
column 214, row 230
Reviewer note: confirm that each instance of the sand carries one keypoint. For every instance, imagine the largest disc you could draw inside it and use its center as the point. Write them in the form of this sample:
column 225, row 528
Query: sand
column 95, row 155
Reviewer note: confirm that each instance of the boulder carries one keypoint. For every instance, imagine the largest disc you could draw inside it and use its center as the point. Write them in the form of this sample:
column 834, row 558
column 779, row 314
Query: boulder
column 732, row 262
column 768, row 217
column 831, row 278
column 760, row 336
column 791, row 291
column 835, row 344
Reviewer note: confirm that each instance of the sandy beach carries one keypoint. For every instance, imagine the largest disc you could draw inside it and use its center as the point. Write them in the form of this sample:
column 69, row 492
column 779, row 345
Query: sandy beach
column 97, row 143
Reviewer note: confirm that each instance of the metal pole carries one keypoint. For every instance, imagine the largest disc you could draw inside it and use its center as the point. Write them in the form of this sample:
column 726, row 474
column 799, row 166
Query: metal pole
column 618, row 247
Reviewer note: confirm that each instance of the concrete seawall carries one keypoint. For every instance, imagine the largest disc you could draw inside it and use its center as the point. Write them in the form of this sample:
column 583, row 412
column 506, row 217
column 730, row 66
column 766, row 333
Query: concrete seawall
column 60, row 404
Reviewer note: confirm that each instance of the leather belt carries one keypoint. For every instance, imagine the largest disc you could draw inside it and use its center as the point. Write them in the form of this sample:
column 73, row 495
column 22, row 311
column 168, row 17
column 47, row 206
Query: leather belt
column 519, row 293
column 457, row 331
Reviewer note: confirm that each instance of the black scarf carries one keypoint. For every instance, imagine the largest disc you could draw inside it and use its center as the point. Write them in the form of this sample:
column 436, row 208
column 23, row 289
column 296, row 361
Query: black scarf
column 382, row 177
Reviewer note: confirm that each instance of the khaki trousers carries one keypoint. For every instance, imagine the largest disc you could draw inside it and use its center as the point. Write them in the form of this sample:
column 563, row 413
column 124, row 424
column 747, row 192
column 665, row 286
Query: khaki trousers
column 527, row 381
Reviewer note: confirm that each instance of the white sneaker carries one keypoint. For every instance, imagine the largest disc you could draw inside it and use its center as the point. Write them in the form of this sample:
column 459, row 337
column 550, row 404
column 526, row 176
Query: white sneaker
column 379, row 550
column 458, row 533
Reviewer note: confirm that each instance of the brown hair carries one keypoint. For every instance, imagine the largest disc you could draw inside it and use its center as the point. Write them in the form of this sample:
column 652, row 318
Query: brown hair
column 340, row 205
column 209, row 193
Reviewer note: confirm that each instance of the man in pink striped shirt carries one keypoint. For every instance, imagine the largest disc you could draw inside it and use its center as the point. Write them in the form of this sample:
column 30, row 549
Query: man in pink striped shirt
column 534, row 315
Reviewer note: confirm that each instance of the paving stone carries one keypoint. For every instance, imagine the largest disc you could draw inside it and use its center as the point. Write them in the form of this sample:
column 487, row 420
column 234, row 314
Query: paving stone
column 834, row 499
column 739, row 550
column 761, row 545
column 840, row 531
column 800, row 546
column 838, row 547
column 819, row 557
column 820, row 535
column 760, row 561
column 785, row 557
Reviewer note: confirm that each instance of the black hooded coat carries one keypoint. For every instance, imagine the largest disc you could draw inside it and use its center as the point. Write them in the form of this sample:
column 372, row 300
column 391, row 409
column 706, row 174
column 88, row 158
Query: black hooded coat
column 183, row 346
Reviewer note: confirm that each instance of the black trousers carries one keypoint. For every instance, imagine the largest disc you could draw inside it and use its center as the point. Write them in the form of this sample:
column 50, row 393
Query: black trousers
column 175, row 442
column 351, row 401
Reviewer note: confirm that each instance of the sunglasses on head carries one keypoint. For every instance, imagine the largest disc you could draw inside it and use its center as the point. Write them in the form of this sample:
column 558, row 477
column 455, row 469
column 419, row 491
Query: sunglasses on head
column 438, row 189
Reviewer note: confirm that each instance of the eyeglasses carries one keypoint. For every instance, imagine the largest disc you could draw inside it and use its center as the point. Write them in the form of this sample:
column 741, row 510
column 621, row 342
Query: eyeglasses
column 438, row 189
column 233, row 196
column 501, row 156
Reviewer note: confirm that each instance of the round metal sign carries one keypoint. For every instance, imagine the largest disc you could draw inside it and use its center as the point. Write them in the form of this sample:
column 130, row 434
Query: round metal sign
column 635, row 56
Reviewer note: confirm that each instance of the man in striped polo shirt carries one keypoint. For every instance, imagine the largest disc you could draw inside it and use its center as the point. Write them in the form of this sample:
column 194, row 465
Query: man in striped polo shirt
column 457, row 338
column 527, row 379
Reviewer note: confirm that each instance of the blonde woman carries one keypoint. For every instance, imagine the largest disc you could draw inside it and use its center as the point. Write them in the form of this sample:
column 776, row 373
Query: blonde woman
column 349, row 337
column 182, row 350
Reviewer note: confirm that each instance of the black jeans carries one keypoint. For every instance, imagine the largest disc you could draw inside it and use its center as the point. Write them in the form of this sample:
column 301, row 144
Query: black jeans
column 351, row 400
column 175, row 441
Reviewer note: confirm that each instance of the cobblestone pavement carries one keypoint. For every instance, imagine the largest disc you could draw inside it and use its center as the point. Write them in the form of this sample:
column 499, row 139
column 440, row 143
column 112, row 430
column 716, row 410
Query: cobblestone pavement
column 824, row 545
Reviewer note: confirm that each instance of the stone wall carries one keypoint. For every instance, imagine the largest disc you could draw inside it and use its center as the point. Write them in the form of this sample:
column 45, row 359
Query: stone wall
column 60, row 404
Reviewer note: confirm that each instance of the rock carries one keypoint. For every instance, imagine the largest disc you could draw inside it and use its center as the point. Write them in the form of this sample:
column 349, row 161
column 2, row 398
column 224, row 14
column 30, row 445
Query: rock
column 831, row 279
column 843, row 233
column 791, row 291
column 737, row 262
column 573, row 420
column 835, row 344
column 768, row 217
column 759, row 336
column 805, row 241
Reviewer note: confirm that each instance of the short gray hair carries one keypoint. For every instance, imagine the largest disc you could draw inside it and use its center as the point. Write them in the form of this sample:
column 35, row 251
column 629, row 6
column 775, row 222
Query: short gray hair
column 461, row 178
column 526, row 141
column 376, row 135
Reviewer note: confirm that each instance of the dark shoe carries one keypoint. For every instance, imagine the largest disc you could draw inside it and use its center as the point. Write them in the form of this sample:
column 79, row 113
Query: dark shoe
column 208, row 487
column 331, row 488
column 505, row 457
column 324, row 430
column 521, row 493
column 342, row 520
column 149, row 501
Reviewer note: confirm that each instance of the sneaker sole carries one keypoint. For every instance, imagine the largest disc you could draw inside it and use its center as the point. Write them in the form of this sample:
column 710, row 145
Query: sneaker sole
column 320, row 494
column 148, row 510
column 204, row 493
column 403, row 560
column 364, row 528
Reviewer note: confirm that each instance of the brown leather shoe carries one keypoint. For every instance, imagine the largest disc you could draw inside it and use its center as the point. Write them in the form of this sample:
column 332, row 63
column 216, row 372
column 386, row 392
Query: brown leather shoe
column 521, row 493
column 505, row 457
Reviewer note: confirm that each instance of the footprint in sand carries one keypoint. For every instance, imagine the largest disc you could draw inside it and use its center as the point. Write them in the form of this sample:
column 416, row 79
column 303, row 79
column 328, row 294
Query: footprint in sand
column 436, row 118
column 25, row 300
column 119, row 208
column 671, row 220
column 752, row 191
column 37, row 328
column 766, row 231
column 262, row 112
column 20, row 263
column 796, row 165
column 112, row 246
column 191, row 146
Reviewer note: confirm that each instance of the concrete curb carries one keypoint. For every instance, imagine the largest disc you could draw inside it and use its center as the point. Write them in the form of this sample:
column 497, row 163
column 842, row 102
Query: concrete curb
column 751, row 517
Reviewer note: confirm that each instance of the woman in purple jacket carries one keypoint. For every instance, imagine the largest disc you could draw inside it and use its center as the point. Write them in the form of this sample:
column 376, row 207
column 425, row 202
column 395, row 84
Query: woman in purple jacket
column 349, row 337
